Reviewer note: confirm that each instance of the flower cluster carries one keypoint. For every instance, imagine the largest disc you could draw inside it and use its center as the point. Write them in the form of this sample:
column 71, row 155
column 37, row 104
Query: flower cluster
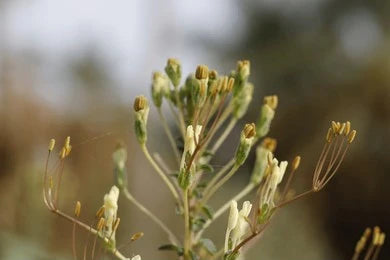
column 206, row 107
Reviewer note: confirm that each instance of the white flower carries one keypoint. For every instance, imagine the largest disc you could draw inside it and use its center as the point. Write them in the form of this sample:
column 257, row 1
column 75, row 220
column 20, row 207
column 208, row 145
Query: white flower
column 137, row 257
column 110, row 209
column 232, row 222
column 242, row 224
column 272, row 182
column 237, row 224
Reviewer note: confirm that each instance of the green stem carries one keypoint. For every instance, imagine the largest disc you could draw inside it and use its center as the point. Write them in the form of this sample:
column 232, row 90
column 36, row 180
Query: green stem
column 181, row 116
column 187, row 234
column 169, row 134
column 170, row 234
column 161, row 173
column 224, row 135
column 217, row 176
column 214, row 188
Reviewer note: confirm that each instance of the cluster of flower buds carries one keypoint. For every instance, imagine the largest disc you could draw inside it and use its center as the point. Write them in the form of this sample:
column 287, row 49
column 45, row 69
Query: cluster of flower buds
column 141, row 111
column 266, row 115
column 246, row 141
column 237, row 224
column 187, row 167
column 263, row 152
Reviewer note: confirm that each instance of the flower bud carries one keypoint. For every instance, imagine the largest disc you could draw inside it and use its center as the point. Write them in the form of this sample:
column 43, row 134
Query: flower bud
column 160, row 88
column 246, row 141
column 202, row 72
column 262, row 152
column 271, row 101
column 264, row 122
column 213, row 74
column 141, row 109
column 119, row 158
column 243, row 69
column 242, row 101
column 173, row 70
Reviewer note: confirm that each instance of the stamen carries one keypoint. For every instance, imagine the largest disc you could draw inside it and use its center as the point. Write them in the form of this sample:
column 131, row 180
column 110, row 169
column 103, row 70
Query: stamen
column 336, row 138
column 100, row 212
column 136, row 236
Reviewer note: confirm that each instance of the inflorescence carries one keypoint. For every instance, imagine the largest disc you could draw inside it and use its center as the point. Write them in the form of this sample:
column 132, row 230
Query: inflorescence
column 206, row 107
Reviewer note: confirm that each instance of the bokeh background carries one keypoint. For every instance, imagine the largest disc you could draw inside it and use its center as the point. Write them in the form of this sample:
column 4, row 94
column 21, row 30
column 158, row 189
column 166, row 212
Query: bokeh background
column 74, row 67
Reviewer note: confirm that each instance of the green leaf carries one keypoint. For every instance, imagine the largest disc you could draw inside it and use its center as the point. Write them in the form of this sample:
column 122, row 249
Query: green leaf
column 231, row 256
column 207, row 153
column 208, row 245
column 264, row 214
column 208, row 211
column 170, row 247
column 197, row 223
column 207, row 168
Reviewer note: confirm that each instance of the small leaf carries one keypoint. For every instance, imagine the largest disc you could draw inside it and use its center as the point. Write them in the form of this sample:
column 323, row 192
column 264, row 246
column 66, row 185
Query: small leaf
column 207, row 168
column 264, row 214
column 231, row 256
column 207, row 153
column 197, row 223
column 208, row 245
column 208, row 211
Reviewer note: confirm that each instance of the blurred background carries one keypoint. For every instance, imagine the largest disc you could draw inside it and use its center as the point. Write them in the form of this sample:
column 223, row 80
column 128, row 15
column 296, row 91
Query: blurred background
column 74, row 68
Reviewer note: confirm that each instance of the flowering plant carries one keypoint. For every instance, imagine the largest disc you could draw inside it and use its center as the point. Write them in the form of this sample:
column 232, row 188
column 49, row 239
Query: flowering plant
column 206, row 107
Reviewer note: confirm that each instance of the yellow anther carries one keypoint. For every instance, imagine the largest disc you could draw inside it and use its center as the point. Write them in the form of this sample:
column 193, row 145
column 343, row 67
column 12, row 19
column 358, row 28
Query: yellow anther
column 249, row 130
column 100, row 212
column 52, row 143
column 296, row 162
column 136, row 236
column 100, row 224
column 347, row 128
column 351, row 136
column 77, row 209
